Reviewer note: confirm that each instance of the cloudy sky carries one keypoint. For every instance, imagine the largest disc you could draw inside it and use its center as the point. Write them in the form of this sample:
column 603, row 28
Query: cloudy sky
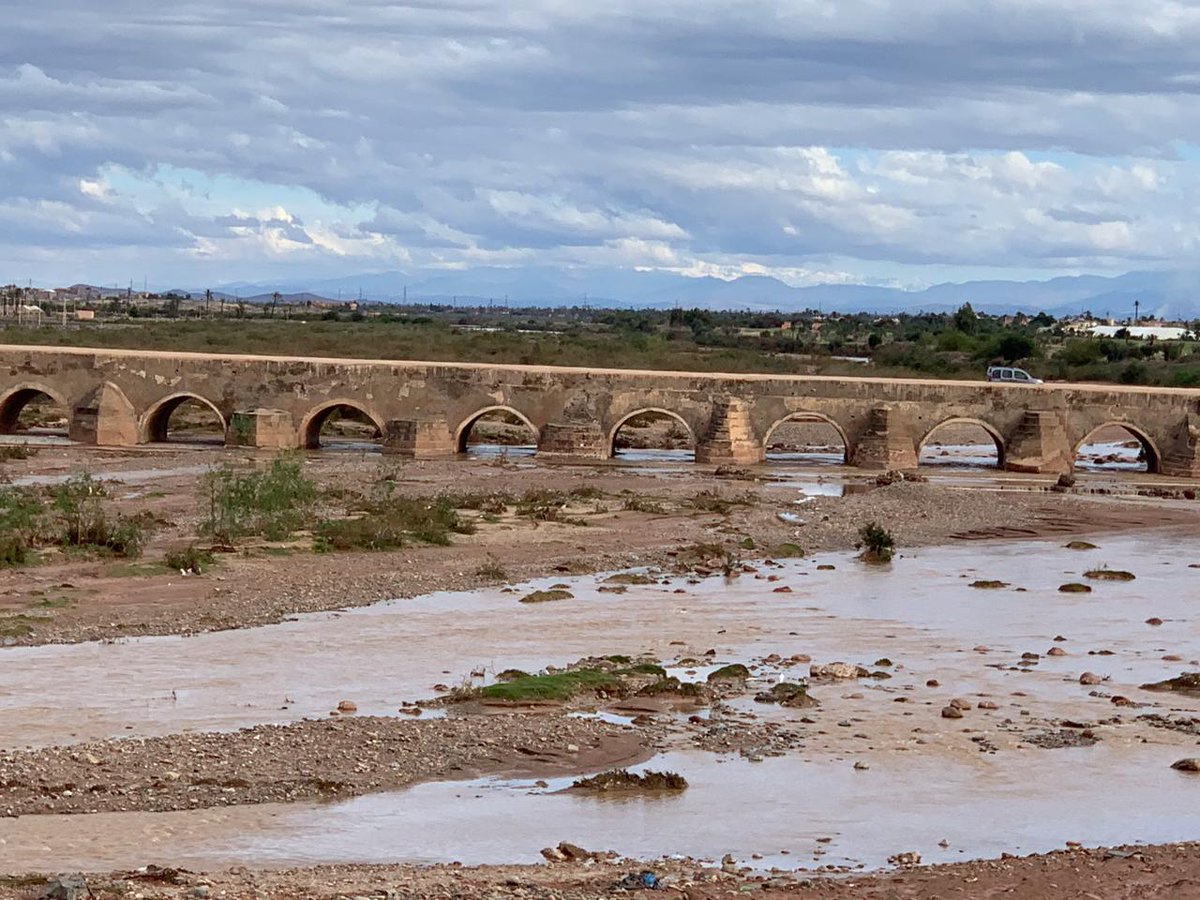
column 816, row 140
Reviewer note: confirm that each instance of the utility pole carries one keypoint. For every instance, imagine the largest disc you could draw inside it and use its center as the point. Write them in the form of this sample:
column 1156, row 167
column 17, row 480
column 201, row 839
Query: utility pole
column 1136, row 308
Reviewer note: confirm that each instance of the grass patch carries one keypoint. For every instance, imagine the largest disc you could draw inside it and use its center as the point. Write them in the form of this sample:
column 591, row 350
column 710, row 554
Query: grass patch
column 11, row 452
column 559, row 686
column 388, row 523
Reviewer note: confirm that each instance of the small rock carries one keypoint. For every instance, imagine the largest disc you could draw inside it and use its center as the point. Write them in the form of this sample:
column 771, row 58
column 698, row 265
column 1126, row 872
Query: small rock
column 987, row 704
column 1154, row 620
column 68, row 887
column 1056, row 651
column 961, row 703
column 1187, row 764
column 347, row 706
column 1090, row 678
column 951, row 712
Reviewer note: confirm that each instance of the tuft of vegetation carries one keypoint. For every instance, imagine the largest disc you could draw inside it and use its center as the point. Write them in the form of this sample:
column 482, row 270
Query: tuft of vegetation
column 273, row 503
column 787, row 551
column 560, row 686
column 1109, row 575
column 710, row 501
column 10, row 452
column 622, row 780
column 878, row 545
column 641, row 504
column 547, row 596
column 192, row 559
column 734, row 672
column 491, row 570
column 788, row 694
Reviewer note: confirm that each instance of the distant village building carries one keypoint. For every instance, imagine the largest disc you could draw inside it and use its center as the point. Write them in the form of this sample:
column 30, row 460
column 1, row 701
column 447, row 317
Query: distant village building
column 1142, row 332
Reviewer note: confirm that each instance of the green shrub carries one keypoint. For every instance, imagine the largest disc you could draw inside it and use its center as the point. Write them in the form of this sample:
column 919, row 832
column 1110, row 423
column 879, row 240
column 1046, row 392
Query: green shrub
column 273, row 503
column 877, row 543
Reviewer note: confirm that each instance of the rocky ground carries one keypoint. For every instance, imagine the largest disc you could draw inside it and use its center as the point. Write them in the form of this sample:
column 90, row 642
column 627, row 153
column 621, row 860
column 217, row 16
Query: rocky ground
column 309, row 760
column 1170, row 872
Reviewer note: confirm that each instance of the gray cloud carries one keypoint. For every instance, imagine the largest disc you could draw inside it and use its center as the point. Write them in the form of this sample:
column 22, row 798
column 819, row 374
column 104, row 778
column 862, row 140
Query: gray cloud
column 698, row 136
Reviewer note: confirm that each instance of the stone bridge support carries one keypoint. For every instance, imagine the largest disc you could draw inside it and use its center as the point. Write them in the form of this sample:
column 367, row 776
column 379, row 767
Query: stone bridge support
column 1040, row 444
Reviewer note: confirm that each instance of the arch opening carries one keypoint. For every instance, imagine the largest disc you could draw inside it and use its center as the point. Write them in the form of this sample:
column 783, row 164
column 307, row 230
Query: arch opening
column 185, row 419
column 343, row 426
column 806, row 438
column 962, row 443
column 498, row 431
column 1116, row 447
column 653, row 435
column 32, row 414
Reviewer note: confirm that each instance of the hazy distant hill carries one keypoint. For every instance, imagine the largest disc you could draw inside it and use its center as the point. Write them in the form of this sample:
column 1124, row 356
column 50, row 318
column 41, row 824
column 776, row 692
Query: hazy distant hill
column 1174, row 294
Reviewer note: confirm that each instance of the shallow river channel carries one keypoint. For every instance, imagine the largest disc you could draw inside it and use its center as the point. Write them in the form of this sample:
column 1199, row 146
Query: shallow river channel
column 920, row 612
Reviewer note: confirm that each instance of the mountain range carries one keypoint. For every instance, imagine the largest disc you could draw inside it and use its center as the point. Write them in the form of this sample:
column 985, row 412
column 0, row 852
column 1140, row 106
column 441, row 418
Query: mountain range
column 1169, row 295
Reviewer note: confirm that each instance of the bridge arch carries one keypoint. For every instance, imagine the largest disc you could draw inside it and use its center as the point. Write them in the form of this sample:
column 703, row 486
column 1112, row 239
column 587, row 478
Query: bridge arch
column 641, row 411
column 17, row 398
column 992, row 432
column 463, row 432
column 810, row 417
column 1149, row 448
column 156, row 422
column 314, row 421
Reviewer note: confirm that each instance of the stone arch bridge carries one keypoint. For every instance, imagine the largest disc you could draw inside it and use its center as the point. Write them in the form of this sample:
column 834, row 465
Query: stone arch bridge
column 125, row 397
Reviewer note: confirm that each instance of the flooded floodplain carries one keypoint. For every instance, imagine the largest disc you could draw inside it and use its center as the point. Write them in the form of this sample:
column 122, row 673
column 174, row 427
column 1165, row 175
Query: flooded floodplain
column 959, row 618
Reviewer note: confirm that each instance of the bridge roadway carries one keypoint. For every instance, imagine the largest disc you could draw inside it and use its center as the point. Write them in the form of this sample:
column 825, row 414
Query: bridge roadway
column 425, row 409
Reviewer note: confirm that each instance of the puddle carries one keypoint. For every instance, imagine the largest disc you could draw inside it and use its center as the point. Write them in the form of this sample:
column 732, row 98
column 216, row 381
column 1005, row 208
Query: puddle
column 731, row 806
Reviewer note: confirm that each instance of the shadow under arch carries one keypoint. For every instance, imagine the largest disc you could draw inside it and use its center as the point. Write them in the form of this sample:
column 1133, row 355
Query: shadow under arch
column 1153, row 459
column 17, row 398
column 463, row 432
column 310, row 428
column 649, row 410
column 156, row 427
column 802, row 418
column 991, row 430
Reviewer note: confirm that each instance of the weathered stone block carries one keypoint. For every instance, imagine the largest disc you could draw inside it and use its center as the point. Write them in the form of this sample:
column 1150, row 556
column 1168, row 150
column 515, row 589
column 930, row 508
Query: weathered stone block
column 265, row 429
column 1040, row 444
column 573, row 441
column 106, row 418
column 889, row 442
column 418, row 438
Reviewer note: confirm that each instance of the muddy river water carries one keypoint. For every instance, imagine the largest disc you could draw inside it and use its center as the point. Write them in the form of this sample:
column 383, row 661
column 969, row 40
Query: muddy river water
column 921, row 612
